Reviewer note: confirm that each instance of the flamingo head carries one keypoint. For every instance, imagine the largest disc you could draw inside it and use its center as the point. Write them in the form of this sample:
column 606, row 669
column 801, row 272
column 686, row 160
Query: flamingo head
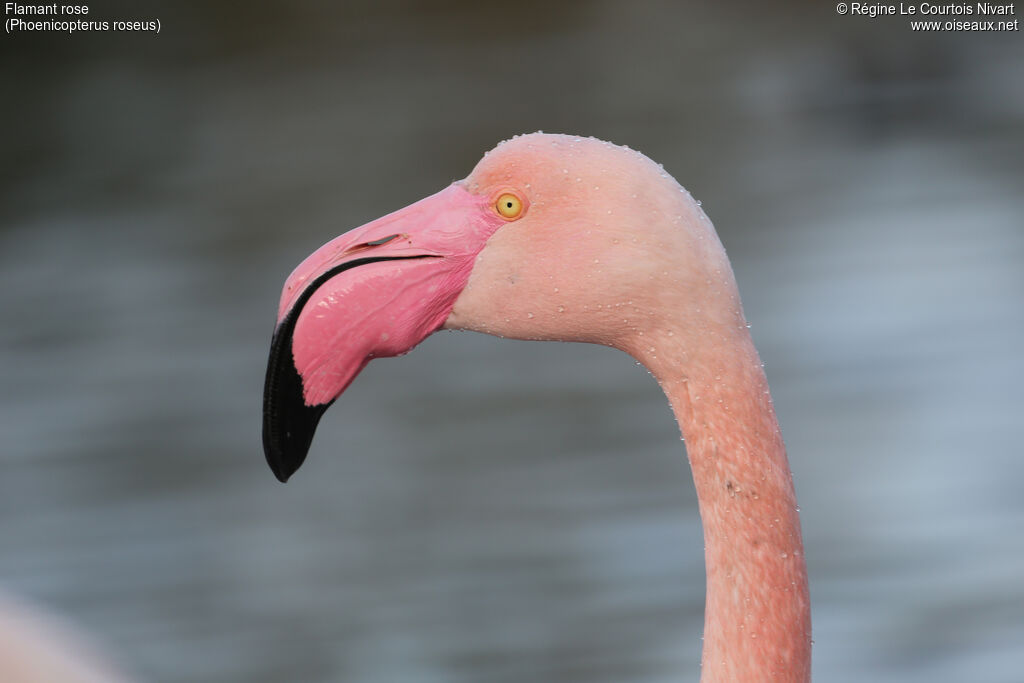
column 551, row 237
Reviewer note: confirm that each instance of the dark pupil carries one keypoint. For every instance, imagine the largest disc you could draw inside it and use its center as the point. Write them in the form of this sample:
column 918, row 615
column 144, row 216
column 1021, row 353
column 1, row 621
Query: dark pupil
column 508, row 205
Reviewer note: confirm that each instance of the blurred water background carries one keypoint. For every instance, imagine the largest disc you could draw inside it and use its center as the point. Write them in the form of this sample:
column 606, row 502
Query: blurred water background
column 488, row 510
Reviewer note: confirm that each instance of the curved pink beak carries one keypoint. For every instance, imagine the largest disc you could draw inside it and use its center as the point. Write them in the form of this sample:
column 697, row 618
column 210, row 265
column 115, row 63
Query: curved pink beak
column 375, row 291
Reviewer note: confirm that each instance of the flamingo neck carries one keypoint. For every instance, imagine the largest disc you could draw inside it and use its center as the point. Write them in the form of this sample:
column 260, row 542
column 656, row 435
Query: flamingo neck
column 757, row 613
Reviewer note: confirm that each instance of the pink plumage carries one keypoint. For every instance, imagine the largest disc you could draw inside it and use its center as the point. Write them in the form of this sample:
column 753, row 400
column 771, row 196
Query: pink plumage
column 599, row 245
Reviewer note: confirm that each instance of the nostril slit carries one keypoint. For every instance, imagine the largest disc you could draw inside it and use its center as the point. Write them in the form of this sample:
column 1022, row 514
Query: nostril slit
column 382, row 240
column 372, row 243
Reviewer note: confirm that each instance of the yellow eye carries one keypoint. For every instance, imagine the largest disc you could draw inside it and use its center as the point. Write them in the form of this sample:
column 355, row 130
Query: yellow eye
column 509, row 205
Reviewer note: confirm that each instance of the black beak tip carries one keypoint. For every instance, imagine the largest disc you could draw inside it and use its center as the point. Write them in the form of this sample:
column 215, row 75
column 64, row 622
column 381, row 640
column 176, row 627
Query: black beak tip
column 288, row 428
column 280, row 465
column 288, row 423
column 288, row 434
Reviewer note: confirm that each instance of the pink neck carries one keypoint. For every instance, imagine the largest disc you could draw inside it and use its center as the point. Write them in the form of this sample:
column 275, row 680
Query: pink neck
column 757, row 623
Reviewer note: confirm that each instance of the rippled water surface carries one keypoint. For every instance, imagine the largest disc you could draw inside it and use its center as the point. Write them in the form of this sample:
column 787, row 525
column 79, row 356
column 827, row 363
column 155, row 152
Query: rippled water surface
column 488, row 510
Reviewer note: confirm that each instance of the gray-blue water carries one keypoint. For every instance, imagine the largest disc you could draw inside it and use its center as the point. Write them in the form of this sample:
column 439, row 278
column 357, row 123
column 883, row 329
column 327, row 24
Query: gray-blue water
column 487, row 510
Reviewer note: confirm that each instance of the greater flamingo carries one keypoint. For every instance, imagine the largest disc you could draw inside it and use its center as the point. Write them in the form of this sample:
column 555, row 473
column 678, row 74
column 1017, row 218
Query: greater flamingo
column 554, row 237
column 36, row 647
